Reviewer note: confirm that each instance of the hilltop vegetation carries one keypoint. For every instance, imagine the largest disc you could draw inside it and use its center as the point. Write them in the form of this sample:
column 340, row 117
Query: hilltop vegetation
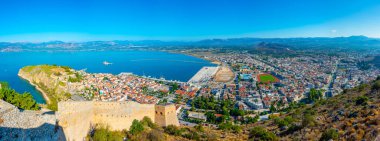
column 23, row 101
column 52, row 80
column 146, row 130
column 353, row 115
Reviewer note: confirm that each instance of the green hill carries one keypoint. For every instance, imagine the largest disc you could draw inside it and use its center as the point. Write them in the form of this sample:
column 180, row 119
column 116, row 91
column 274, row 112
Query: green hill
column 56, row 83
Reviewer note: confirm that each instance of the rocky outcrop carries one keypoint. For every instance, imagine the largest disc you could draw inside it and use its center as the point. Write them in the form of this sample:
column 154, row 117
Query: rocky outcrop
column 28, row 125
column 51, row 81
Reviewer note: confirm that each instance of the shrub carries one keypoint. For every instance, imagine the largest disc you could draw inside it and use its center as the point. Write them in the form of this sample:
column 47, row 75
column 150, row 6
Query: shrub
column 236, row 129
column 136, row 127
column 308, row 120
column 376, row 86
column 249, row 120
column 292, row 128
column 362, row 87
column 329, row 134
column 4, row 85
column 283, row 122
column 230, row 127
column 146, row 121
column 102, row 133
column 156, row 135
column 192, row 136
column 361, row 100
column 77, row 78
column 53, row 105
column 225, row 126
column 199, row 127
column 259, row 133
column 173, row 130
column 289, row 119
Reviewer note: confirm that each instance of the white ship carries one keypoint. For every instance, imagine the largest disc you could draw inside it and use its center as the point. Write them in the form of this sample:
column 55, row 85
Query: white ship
column 107, row 63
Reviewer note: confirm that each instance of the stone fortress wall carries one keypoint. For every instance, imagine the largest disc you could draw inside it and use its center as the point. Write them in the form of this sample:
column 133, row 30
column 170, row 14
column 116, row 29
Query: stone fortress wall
column 77, row 117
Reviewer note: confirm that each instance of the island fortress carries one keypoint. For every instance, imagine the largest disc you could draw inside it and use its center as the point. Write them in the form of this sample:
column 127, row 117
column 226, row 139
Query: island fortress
column 77, row 117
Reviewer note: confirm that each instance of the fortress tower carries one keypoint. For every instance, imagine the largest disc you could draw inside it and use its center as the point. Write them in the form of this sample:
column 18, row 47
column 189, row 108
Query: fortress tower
column 166, row 115
column 76, row 117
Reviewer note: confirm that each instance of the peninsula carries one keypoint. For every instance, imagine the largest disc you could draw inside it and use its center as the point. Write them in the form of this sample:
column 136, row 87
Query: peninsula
column 56, row 83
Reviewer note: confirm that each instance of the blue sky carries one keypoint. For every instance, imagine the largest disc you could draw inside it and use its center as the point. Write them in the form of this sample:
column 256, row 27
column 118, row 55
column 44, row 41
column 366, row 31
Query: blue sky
column 83, row 20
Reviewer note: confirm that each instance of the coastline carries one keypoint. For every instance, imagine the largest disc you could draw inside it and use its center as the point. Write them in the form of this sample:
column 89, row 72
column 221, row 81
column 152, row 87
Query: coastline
column 44, row 97
column 215, row 62
column 37, row 88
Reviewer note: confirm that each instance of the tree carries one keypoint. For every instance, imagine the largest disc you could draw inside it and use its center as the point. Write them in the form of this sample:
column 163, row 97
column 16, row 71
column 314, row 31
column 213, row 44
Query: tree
column 24, row 101
column 174, row 87
column 146, row 121
column 222, row 119
column 272, row 108
column 192, row 107
column 144, row 90
column 178, row 98
column 237, row 112
column 256, row 100
column 315, row 95
column 252, row 120
column 136, row 127
column 210, row 117
column 103, row 133
column 164, row 101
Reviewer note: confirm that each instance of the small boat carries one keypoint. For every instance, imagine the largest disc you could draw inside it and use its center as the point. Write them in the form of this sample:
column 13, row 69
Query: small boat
column 107, row 63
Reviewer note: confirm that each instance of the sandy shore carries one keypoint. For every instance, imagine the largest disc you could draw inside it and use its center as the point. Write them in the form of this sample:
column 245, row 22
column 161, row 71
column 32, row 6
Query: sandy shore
column 216, row 62
column 38, row 88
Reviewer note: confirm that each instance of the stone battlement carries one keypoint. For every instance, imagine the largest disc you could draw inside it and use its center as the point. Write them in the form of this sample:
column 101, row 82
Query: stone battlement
column 76, row 117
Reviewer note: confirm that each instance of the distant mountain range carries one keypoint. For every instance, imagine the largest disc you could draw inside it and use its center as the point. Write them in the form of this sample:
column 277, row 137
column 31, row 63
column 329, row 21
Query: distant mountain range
column 352, row 42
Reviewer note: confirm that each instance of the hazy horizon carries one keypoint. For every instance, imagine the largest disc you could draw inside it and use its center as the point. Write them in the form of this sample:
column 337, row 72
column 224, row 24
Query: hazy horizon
column 176, row 40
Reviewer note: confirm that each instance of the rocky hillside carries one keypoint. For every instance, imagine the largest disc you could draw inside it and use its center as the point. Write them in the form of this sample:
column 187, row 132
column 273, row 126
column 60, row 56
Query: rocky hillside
column 16, row 124
column 56, row 83
column 352, row 115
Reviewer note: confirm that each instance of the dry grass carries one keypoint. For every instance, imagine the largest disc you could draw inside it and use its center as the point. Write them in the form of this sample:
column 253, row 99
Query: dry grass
column 351, row 120
column 224, row 74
